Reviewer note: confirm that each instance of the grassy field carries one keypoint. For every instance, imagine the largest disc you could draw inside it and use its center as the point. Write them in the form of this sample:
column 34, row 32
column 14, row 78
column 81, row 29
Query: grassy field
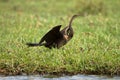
column 94, row 49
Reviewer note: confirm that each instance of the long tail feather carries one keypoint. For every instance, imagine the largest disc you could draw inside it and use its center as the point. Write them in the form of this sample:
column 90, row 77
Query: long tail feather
column 33, row 44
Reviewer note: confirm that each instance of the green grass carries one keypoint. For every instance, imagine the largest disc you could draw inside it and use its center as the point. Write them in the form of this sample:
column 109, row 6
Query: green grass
column 94, row 49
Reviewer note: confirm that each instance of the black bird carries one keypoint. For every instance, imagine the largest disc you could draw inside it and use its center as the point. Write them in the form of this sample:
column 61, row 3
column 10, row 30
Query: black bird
column 56, row 38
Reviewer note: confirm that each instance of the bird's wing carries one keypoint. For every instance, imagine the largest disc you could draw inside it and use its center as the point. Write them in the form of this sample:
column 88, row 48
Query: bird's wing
column 52, row 35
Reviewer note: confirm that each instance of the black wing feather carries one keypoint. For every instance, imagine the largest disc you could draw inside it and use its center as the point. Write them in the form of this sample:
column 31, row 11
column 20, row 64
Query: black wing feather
column 52, row 35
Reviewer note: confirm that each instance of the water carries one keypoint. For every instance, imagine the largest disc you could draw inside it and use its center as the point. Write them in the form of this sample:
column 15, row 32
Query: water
column 75, row 77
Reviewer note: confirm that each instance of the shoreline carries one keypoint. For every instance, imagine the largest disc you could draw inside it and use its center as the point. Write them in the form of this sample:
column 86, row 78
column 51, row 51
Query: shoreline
column 60, row 73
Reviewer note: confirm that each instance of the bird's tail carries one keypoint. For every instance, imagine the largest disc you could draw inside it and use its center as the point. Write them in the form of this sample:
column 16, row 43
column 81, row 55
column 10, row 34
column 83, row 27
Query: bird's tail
column 33, row 44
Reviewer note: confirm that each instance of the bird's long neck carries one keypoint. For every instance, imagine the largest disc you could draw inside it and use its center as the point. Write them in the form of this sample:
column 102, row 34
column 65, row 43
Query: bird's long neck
column 71, row 20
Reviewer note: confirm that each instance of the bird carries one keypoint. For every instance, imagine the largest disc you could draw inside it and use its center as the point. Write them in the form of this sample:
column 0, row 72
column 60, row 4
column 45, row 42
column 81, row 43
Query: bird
column 56, row 38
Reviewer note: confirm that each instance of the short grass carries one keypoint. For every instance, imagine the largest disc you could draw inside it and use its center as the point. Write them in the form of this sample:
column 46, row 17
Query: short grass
column 94, row 49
